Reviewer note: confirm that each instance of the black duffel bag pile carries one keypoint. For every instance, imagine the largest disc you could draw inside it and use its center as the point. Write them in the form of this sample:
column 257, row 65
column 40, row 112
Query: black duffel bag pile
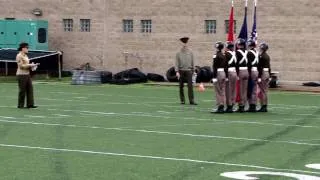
column 204, row 74
column 171, row 75
column 134, row 75
column 155, row 77
column 129, row 76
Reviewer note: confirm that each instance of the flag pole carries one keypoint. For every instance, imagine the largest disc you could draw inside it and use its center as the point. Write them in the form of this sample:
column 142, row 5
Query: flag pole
column 244, row 29
column 254, row 35
column 230, row 36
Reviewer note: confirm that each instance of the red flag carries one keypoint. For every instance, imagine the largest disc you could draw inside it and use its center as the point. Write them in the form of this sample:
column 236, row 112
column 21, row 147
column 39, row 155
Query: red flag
column 231, row 26
column 231, row 39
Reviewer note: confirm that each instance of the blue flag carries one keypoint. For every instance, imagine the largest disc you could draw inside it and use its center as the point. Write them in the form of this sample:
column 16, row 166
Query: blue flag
column 244, row 29
column 254, row 35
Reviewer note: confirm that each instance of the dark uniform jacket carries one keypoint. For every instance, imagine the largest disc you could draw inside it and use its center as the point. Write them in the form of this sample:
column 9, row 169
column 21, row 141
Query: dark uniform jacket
column 242, row 59
column 253, row 59
column 264, row 62
column 219, row 61
column 231, row 62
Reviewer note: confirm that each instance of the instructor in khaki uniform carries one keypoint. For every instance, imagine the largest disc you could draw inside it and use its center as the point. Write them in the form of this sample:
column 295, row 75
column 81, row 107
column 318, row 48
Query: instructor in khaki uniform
column 23, row 76
column 184, row 70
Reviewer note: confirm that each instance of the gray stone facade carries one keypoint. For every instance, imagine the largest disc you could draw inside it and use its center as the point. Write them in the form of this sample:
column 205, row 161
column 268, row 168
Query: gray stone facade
column 291, row 27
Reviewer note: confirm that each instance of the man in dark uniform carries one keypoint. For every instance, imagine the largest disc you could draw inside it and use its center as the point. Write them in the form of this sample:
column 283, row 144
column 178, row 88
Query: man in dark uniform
column 231, row 77
column 253, row 60
column 242, row 71
column 264, row 69
column 184, row 70
column 219, row 77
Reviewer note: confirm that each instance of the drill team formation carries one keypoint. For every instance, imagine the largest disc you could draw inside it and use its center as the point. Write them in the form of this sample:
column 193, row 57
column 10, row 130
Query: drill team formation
column 236, row 70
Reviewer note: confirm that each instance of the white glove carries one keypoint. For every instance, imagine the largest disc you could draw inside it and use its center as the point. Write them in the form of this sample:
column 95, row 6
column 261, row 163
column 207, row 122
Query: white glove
column 214, row 80
column 34, row 66
column 178, row 75
column 259, row 80
column 227, row 79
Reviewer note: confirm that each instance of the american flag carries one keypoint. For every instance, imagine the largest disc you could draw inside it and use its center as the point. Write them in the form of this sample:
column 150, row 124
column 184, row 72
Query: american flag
column 254, row 34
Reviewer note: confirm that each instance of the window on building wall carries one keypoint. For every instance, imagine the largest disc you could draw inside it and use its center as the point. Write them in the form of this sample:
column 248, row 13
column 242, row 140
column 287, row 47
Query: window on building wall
column 127, row 25
column 227, row 26
column 211, row 26
column 146, row 26
column 42, row 35
column 85, row 25
column 68, row 25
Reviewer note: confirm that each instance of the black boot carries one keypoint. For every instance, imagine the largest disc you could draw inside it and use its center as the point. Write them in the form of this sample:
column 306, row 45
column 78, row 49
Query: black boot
column 263, row 108
column 252, row 108
column 241, row 109
column 229, row 109
column 220, row 110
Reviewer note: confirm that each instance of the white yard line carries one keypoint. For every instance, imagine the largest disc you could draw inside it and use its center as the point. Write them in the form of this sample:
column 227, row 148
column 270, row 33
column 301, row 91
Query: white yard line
column 98, row 103
column 110, row 95
column 185, row 118
column 162, row 114
column 164, row 132
column 295, row 106
column 8, row 117
column 32, row 116
column 214, row 121
column 62, row 115
column 141, row 114
column 151, row 157
column 155, row 104
column 171, row 125
column 143, row 97
column 308, row 140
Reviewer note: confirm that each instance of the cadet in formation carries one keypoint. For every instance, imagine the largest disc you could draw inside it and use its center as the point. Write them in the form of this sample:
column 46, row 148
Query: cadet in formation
column 253, row 60
column 219, row 77
column 243, row 74
column 264, row 70
column 231, row 77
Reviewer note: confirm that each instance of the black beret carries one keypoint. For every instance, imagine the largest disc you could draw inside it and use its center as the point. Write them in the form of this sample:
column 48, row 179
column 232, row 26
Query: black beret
column 23, row 45
column 184, row 40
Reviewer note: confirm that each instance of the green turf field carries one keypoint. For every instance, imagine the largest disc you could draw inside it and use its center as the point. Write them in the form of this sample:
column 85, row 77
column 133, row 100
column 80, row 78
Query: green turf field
column 142, row 133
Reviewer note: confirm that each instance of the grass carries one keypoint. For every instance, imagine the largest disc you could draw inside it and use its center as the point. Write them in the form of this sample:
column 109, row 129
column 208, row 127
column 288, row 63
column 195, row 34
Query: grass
column 142, row 133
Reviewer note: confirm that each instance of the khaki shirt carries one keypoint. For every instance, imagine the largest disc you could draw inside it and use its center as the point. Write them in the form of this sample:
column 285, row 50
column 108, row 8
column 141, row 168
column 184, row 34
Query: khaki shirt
column 184, row 60
column 23, row 64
